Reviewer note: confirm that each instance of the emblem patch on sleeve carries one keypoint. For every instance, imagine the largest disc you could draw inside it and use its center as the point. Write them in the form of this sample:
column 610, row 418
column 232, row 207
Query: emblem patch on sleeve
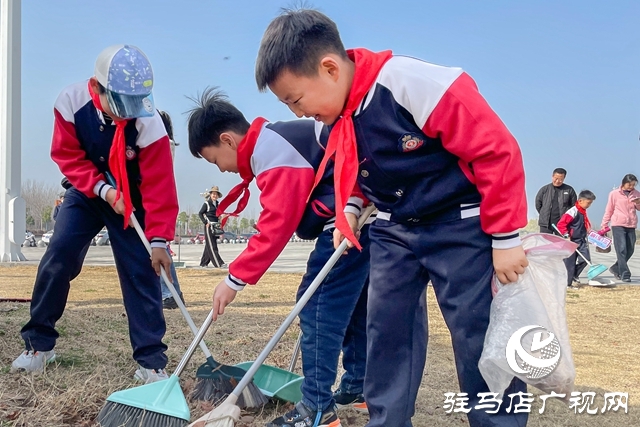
column 410, row 142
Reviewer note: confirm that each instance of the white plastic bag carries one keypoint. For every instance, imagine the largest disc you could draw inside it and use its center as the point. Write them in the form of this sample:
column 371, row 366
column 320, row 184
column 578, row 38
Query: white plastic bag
column 529, row 307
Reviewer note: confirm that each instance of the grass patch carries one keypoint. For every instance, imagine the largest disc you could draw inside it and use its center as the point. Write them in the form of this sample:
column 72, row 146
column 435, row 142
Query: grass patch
column 94, row 355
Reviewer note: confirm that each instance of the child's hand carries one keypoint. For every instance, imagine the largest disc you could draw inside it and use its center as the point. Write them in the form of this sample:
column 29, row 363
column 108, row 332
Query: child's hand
column 222, row 297
column 509, row 263
column 161, row 259
column 118, row 206
column 338, row 237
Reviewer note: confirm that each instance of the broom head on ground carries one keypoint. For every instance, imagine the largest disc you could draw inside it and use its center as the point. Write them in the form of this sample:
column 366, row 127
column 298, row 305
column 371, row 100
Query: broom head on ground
column 216, row 381
column 133, row 407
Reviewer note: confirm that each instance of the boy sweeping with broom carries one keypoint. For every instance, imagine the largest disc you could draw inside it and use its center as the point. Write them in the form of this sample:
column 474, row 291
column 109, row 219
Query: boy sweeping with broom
column 283, row 158
column 575, row 225
column 108, row 124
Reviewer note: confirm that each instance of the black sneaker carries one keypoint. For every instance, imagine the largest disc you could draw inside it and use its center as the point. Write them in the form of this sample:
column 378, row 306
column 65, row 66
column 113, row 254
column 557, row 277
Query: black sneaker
column 347, row 400
column 301, row 416
column 171, row 304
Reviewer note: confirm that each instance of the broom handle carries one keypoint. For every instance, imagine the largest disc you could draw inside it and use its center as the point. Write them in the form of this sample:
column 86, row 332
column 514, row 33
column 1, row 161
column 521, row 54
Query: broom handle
column 163, row 273
column 192, row 347
column 248, row 377
column 577, row 251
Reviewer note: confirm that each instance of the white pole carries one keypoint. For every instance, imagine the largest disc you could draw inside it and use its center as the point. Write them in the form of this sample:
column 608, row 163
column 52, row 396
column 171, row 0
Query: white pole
column 12, row 206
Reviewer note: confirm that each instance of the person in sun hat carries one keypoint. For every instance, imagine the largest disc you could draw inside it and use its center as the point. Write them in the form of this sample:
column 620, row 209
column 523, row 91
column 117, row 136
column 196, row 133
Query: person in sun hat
column 209, row 217
column 109, row 124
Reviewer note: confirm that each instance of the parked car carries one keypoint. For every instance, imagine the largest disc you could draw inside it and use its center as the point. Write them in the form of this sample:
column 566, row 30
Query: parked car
column 46, row 237
column 247, row 236
column 102, row 238
column 227, row 237
column 198, row 239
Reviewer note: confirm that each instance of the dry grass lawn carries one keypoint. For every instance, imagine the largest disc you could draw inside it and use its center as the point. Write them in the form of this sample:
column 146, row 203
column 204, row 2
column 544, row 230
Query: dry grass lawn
column 95, row 356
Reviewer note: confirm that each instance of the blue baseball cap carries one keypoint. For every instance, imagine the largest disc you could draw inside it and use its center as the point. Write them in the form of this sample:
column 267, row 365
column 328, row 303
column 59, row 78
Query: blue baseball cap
column 126, row 74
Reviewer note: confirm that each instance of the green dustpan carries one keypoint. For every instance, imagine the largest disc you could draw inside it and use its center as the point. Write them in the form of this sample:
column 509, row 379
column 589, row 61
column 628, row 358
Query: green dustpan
column 596, row 270
column 277, row 383
column 169, row 398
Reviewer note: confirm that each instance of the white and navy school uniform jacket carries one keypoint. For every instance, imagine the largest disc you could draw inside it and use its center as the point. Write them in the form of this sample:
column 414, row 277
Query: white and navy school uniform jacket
column 82, row 139
column 572, row 222
column 284, row 162
column 430, row 148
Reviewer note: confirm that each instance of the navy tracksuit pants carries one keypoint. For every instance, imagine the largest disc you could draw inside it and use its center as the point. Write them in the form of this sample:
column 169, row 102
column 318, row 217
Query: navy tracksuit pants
column 574, row 262
column 79, row 220
column 334, row 319
column 456, row 255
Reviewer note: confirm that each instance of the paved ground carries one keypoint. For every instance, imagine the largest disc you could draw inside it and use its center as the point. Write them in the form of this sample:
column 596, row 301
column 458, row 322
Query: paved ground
column 292, row 260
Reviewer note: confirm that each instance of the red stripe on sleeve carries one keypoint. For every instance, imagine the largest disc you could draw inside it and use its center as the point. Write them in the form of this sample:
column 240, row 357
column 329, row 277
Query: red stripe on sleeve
column 71, row 159
column 158, row 189
column 284, row 191
column 490, row 155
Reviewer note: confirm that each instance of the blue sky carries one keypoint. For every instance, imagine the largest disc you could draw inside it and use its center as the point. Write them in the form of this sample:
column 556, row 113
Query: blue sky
column 563, row 75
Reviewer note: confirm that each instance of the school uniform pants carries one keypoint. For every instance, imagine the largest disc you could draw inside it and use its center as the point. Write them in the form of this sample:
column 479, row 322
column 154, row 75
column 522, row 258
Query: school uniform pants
column 456, row 256
column 79, row 220
column 574, row 263
column 334, row 319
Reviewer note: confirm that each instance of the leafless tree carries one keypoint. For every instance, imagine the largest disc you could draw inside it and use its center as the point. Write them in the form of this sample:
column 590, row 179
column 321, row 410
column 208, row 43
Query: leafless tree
column 39, row 197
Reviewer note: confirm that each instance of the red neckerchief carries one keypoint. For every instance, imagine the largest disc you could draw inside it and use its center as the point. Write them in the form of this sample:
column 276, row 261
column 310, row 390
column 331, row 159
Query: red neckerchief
column 583, row 211
column 245, row 151
column 342, row 139
column 117, row 160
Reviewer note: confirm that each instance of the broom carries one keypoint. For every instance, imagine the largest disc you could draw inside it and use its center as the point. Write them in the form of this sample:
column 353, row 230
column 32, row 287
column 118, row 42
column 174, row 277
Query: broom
column 214, row 380
column 159, row 404
column 228, row 413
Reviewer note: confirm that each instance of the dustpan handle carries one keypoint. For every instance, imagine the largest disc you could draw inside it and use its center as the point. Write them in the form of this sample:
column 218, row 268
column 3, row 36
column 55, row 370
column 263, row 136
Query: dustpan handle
column 164, row 276
column 306, row 296
column 296, row 353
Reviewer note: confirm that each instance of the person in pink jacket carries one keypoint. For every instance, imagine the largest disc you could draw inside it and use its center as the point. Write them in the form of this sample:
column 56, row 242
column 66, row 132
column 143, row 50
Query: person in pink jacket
column 621, row 214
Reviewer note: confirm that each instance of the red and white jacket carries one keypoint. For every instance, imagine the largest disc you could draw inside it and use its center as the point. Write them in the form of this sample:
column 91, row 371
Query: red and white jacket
column 80, row 147
column 283, row 161
column 430, row 146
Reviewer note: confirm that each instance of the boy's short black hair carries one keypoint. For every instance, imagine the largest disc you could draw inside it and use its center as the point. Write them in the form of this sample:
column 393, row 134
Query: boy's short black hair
column 560, row 171
column 586, row 195
column 296, row 41
column 212, row 116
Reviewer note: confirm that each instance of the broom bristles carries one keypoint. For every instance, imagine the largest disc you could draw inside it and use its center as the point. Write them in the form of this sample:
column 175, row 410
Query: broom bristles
column 225, row 415
column 215, row 389
column 119, row 415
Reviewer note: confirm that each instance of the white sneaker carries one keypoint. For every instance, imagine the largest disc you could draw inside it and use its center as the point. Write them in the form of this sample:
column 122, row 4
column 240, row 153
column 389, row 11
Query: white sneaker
column 149, row 376
column 33, row 361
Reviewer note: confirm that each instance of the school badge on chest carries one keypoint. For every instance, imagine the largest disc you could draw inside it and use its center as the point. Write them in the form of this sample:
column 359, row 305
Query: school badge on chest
column 410, row 142
column 130, row 153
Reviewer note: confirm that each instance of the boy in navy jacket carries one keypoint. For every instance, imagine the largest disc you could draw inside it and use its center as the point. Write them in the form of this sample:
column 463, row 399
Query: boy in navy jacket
column 447, row 178
column 108, row 124
column 283, row 157
column 575, row 225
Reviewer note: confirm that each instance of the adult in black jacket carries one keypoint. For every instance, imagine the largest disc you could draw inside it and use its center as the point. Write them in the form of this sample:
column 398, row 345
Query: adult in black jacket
column 553, row 200
column 208, row 216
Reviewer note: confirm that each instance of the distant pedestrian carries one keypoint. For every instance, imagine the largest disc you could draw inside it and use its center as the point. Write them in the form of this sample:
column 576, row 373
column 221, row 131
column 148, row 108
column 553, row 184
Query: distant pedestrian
column 553, row 200
column 209, row 218
column 621, row 214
